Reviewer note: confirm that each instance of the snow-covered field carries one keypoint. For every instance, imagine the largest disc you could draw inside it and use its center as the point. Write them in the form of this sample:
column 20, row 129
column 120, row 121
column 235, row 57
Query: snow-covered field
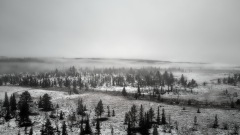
column 121, row 105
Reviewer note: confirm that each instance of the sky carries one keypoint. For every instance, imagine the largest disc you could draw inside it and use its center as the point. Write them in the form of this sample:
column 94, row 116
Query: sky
column 172, row 30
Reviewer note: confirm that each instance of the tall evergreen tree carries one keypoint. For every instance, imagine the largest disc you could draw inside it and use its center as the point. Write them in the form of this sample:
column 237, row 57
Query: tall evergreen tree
column 124, row 92
column 46, row 102
column 8, row 114
column 48, row 128
column 6, row 101
column 215, row 124
column 151, row 114
column 141, row 116
column 195, row 120
column 13, row 103
column 155, row 131
column 31, row 131
column 113, row 113
column 129, row 131
column 163, row 117
column 61, row 116
column 99, row 109
column 133, row 114
column 98, row 128
column 80, row 107
column 88, row 129
column 24, row 113
column 109, row 113
column 64, row 128
column 139, row 91
column 158, row 116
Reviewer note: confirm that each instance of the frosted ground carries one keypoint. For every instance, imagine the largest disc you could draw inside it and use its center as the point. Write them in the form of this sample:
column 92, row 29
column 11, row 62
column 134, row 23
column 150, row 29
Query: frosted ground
column 121, row 105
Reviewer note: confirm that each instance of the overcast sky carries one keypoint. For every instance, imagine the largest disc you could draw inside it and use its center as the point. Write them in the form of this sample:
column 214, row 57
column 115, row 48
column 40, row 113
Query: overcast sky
column 175, row 30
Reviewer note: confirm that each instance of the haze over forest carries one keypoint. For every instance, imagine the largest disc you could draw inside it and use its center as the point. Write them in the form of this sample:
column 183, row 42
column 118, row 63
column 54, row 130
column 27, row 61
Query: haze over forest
column 194, row 31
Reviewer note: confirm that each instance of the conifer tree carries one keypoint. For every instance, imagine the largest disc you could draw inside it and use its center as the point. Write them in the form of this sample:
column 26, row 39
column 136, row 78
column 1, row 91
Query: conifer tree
column 215, row 125
column 124, row 92
column 64, row 128
column 113, row 113
column 48, row 128
column 46, row 102
column 133, row 114
column 31, row 131
column 61, row 116
column 129, row 132
column 80, row 107
column 108, row 111
column 13, row 103
column 159, row 97
column 81, row 129
column 151, row 114
column 99, row 109
column 8, row 115
column 163, row 117
column 6, row 101
column 126, row 118
column 141, row 117
column 138, row 91
column 24, row 115
column 98, row 128
column 155, row 131
column 158, row 116
column 88, row 129
column 198, row 111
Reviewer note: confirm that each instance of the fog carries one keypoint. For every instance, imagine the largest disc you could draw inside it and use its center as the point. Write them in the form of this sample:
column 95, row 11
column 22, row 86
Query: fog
column 186, row 30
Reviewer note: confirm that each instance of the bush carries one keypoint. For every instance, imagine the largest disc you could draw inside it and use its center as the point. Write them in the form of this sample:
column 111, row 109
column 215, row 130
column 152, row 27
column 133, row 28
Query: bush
column 225, row 126
column 238, row 102
column 189, row 102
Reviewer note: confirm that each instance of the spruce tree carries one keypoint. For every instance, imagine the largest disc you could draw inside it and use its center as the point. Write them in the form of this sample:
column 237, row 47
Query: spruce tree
column 24, row 115
column 88, row 129
column 158, row 116
column 98, row 128
column 48, row 128
column 163, row 117
column 198, row 111
column 61, row 116
column 81, row 129
column 108, row 111
column 13, row 103
column 64, row 128
column 215, row 125
column 155, row 131
column 46, row 102
column 138, row 91
column 126, row 118
column 195, row 120
column 141, row 117
column 8, row 115
column 31, row 131
column 151, row 114
column 99, row 109
column 129, row 132
column 113, row 113
column 124, row 92
column 80, row 107
column 133, row 114
column 6, row 101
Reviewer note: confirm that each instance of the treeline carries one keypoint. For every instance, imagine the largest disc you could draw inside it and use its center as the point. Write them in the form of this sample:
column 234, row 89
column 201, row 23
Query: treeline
column 231, row 80
column 79, row 79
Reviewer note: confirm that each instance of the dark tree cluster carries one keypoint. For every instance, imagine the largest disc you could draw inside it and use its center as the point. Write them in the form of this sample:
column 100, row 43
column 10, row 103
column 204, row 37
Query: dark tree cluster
column 231, row 80
column 141, row 121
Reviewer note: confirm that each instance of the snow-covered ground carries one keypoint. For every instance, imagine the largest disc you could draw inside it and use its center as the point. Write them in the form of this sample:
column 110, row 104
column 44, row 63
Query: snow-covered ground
column 121, row 105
